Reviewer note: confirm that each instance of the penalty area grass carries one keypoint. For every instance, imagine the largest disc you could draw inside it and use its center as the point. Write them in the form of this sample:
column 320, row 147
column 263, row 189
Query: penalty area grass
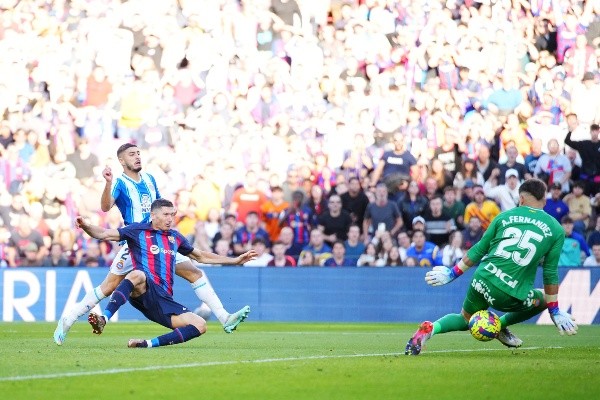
column 295, row 361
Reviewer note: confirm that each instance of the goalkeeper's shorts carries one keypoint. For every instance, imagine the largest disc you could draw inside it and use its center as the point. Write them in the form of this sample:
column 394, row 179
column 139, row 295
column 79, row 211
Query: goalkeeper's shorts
column 483, row 295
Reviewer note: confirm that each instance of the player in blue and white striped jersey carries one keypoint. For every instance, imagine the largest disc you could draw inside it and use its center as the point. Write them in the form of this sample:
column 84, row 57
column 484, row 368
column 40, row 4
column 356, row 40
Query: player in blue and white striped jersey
column 133, row 193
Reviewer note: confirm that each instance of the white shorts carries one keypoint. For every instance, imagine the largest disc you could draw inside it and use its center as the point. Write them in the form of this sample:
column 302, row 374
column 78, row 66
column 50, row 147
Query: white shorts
column 122, row 265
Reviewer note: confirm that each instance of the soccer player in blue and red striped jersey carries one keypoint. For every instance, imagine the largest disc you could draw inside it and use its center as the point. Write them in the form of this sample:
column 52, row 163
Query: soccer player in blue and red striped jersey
column 149, row 287
column 133, row 193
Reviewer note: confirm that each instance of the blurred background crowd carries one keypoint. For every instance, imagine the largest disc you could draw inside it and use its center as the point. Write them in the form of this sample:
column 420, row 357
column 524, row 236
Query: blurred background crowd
column 320, row 132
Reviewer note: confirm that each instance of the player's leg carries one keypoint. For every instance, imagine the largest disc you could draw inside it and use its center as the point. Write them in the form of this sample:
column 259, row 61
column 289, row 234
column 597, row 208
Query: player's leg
column 134, row 284
column 206, row 293
column 473, row 302
column 186, row 326
column 119, row 268
column 533, row 305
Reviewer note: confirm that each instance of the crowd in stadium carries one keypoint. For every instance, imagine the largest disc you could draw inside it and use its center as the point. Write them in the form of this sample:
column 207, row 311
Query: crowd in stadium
column 336, row 133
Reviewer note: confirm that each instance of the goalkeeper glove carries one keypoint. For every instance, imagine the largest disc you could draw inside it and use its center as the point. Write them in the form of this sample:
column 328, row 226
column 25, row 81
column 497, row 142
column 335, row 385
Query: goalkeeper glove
column 441, row 275
column 563, row 320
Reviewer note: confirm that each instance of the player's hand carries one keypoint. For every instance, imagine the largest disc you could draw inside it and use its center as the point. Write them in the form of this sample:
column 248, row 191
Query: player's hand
column 438, row 276
column 107, row 174
column 79, row 222
column 247, row 256
column 564, row 322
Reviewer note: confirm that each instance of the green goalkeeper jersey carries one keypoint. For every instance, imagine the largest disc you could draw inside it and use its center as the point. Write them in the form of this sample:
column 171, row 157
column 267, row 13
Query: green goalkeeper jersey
column 513, row 246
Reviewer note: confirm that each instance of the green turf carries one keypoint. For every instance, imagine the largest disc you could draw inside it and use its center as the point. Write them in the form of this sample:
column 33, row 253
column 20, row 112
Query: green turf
column 295, row 361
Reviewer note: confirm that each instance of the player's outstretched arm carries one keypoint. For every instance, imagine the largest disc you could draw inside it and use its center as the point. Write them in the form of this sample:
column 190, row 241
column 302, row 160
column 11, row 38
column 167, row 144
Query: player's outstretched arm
column 97, row 232
column 441, row 275
column 206, row 257
column 563, row 320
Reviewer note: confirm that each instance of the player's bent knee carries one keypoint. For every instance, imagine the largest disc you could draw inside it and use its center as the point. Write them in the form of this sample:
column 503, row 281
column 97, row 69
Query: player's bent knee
column 136, row 277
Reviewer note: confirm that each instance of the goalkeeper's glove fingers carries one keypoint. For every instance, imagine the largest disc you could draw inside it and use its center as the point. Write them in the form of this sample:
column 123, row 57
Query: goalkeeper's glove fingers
column 438, row 276
column 564, row 322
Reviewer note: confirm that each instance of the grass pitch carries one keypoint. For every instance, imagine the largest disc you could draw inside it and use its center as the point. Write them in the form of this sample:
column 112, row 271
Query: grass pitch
column 295, row 361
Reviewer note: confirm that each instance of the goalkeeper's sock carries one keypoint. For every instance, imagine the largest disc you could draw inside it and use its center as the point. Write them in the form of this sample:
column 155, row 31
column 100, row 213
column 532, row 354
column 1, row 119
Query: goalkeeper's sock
column 207, row 294
column 450, row 323
column 119, row 297
column 178, row 335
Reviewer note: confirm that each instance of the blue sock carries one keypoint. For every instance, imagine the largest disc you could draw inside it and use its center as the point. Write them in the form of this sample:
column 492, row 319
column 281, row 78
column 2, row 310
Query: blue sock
column 119, row 297
column 178, row 335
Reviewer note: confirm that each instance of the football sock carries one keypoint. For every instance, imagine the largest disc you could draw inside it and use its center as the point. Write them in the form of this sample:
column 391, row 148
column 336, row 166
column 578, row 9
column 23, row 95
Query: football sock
column 450, row 323
column 512, row 318
column 119, row 297
column 178, row 335
column 88, row 302
column 206, row 293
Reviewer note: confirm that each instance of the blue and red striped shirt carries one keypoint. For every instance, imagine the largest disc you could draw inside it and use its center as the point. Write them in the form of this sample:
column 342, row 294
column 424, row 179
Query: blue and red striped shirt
column 154, row 251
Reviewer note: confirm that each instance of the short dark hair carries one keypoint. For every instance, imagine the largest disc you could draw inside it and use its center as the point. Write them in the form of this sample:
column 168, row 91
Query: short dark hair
column 566, row 220
column 535, row 187
column 579, row 184
column 594, row 127
column 159, row 203
column 124, row 147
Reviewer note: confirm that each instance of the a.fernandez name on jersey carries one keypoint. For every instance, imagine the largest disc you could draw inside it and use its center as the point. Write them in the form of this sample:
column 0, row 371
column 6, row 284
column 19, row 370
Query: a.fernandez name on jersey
column 513, row 219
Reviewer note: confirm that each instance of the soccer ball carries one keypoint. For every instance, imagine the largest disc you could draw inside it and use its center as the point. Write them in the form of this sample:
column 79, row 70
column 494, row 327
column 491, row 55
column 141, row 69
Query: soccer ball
column 204, row 311
column 484, row 325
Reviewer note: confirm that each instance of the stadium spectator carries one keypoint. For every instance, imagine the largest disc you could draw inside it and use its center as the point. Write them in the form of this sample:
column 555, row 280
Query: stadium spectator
column 555, row 205
column 426, row 253
column 395, row 165
column 247, row 198
column 453, row 251
column 412, row 205
column 438, row 224
column 589, row 151
column 30, row 256
column 485, row 210
column 485, row 164
column 245, row 236
column 468, row 175
column 472, row 233
column 393, row 258
column 298, row 218
column 334, row 222
column 369, row 257
column 381, row 215
column 511, row 163
column 355, row 201
column 273, row 212
column 532, row 158
column 594, row 259
column 354, row 246
column 317, row 247
column 280, row 259
column 338, row 256
column 316, row 203
column 575, row 249
column 263, row 257
column 507, row 194
column 580, row 209
column 22, row 236
column 56, row 257
column 554, row 166
column 454, row 207
column 594, row 235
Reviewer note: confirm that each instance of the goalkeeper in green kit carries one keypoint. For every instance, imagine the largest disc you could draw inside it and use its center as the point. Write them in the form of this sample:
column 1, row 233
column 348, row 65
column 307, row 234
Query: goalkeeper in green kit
column 508, row 256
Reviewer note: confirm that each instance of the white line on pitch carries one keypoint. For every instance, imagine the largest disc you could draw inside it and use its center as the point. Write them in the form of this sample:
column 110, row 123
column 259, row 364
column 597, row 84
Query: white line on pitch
column 219, row 363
